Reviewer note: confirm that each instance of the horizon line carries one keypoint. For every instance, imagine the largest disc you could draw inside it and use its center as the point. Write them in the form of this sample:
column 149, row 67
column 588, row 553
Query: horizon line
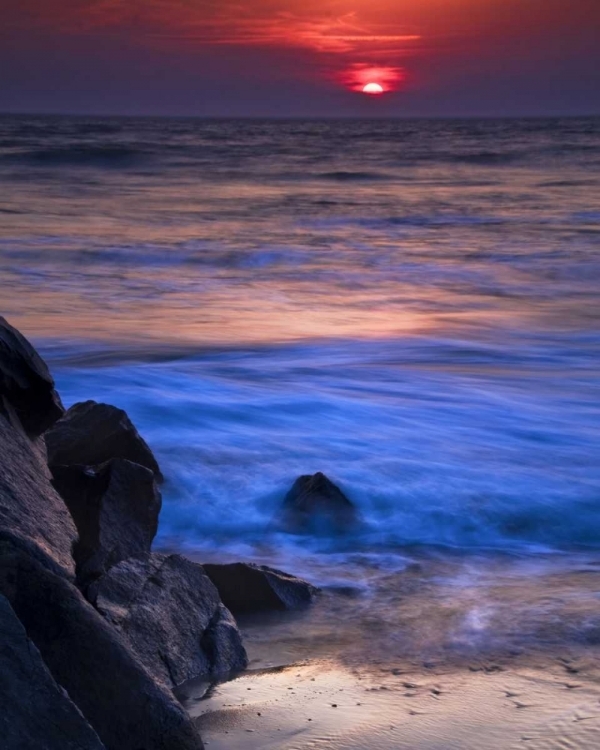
column 315, row 118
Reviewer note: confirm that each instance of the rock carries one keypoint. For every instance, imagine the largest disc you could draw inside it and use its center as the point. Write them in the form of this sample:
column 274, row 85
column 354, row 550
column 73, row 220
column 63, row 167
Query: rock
column 256, row 588
column 26, row 383
column 172, row 617
column 35, row 712
column 115, row 507
column 315, row 504
column 90, row 659
column 90, row 434
column 32, row 515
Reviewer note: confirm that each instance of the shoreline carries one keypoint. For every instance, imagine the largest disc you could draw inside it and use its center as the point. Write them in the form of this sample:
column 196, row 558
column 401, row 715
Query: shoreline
column 410, row 648
column 468, row 690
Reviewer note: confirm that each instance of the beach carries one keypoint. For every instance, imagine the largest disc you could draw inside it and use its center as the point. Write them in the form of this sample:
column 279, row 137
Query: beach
column 326, row 707
column 496, row 653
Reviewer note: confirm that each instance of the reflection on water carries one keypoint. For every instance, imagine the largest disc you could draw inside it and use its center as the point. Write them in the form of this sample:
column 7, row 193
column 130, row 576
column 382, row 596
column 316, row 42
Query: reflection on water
column 244, row 232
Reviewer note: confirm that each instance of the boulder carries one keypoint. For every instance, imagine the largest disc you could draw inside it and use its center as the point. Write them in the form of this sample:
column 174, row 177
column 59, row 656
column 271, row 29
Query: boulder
column 26, row 384
column 90, row 434
column 245, row 587
column 115, row 507
column 32, row 515
column 171, row 615
column 315, row 504
column 36, row 712
column 90, row 659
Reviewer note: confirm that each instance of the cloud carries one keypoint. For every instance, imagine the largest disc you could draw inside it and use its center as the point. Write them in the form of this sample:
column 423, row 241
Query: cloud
column 343, row 34
column 262, row 23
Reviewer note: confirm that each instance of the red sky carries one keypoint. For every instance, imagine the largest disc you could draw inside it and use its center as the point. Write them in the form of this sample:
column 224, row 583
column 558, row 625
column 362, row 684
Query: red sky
column 300, row 57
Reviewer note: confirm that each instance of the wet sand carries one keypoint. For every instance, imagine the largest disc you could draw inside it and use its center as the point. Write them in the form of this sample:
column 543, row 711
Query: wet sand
column 472, row 653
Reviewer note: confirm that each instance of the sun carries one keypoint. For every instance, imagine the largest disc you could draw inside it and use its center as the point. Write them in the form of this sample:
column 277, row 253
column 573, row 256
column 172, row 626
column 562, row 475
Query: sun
column 375, row 81
column 373, row 88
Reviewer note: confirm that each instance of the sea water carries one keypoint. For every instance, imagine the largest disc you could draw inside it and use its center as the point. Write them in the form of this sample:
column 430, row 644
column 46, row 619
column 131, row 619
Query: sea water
column 411, row 307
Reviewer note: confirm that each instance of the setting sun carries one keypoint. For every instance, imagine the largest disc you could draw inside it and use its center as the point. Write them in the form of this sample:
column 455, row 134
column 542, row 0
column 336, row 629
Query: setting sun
column 373, row 88
column 375, row 80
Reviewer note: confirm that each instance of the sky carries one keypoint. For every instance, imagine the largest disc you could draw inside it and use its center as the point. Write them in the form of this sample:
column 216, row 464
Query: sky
column 301, row 58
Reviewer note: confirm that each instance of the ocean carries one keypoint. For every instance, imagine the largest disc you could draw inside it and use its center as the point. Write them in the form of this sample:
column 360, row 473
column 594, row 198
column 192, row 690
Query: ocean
column 411, row 307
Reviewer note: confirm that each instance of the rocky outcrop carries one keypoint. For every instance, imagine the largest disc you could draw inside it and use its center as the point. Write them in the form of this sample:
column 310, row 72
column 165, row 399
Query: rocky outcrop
column 171, row 615
column 32, row 515
column 92, row 661
column 34, row 711
column 95, row 673
column 315, row 504
column 115, row 507
column 26, row 385
column 90, row 434
column 246, row 587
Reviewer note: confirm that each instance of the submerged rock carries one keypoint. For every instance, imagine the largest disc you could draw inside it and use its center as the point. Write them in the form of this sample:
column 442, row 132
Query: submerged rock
column 26, row 384
column 115, row 507
column 35, row 712
column 92, row 661
column 245, row 587
column 90, row 434
column 171, row 615
column 315, row 504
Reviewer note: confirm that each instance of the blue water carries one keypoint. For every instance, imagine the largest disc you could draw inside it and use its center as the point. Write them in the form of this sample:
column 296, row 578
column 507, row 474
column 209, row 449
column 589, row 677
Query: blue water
column 410, row 307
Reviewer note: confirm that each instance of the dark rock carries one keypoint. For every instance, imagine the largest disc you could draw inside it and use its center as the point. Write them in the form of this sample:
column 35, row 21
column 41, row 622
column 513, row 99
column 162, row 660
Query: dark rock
column 90, row 434
column 315, row 504
column 32, row 515
column 89, row 658
column 35, row 712
column 172, row 617
column 115, row 507
column 256, row 588
column 25, row 383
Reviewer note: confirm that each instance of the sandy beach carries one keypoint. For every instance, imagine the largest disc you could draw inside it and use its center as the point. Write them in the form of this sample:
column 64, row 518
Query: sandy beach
column 325, row 706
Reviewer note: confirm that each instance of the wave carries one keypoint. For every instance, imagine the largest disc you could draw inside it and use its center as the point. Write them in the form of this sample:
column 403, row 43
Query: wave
column 441, row 220
column 438, row 442
column 92, row 127
column 229, row 161
column 586, row 217
column 491, row 158
column 75, row 155
column 567, row 183
column 347, row 176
